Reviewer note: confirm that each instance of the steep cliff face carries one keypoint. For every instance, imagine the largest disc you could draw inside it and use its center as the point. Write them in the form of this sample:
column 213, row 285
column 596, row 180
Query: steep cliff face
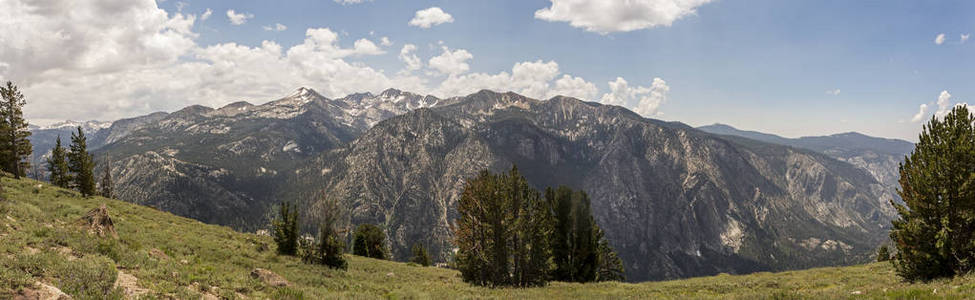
column 674, row 201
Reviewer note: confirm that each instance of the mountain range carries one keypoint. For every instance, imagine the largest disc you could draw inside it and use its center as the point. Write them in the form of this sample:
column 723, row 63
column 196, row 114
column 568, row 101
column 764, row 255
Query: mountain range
column 674, row 201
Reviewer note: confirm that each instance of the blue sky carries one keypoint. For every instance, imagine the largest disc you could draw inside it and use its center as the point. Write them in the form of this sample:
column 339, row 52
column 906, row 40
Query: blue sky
column 786, row 67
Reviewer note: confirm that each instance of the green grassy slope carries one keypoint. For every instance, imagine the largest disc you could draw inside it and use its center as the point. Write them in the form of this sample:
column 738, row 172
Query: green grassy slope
column 40, row 241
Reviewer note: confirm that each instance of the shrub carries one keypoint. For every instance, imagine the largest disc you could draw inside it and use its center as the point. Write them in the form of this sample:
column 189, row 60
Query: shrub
column 92, row 277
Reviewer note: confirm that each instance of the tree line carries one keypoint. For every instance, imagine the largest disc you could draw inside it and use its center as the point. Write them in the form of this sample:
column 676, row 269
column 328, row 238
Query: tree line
column 328, row 248
column 508, row 234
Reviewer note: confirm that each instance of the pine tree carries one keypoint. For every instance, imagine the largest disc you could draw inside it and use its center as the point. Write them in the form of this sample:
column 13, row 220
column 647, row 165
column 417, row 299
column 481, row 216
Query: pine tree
column 81, row 164
column 420, row 255
column 369, row 241
column 15, row 146
column 610, row 265
column 285, row 228
column 575, row 240
column 501, row 232
column 107, row 188
column 936, row 227
column 57, row 165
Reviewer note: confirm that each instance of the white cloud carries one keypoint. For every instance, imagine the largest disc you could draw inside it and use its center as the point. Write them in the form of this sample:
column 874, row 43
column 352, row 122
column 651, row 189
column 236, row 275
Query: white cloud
column 431, row 17
column 940, row 39
column 385, row 42
column 206, row 14
column 366, row 47
column 944, row 104
column 45, row 37
column 964, row 38
column 136, row 59
column 126, row 61
column 451, row 62
column 833, row 92
column 920, row 114
column 532, row 79
column 645, row 101
column 277, row 27
column 238, row 19
column 615, row 16
column 408, row 57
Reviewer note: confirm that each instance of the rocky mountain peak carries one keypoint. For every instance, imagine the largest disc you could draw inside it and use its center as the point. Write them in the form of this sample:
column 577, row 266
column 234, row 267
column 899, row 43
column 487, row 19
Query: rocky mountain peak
column 197, row 110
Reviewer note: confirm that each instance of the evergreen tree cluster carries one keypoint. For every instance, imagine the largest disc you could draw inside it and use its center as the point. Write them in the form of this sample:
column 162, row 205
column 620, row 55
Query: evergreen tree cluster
column 75, row 167
column 509, row 235
column 420, row 255
column 935, row 234
column 369, row 241
column 14, row 144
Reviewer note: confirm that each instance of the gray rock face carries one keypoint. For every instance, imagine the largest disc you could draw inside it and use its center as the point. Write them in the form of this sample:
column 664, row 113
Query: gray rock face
column 674, row 201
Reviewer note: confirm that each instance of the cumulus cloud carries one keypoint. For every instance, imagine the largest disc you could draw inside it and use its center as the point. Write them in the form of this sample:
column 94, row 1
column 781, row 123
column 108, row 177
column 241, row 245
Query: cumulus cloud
column 238, row 18
column 206, row 14
column 920, row 114
column 451, row 62
column 431, row 17
column 277, row 27
column 643, row 100
column 618, row 16
column 47, row 37
column 408, row 57
column 137, row 58
column 940, row 39
column 833, row 92
column 385, row 41
column 533, row 79
column 84, row 59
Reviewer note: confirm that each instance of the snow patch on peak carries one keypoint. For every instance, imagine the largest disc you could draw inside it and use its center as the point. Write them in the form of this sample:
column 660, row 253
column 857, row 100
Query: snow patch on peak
column 86, row 126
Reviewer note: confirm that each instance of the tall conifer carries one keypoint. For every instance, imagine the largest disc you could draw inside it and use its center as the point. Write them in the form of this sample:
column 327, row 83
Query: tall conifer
column 81, row 164
column 57, row 165
column 935, row 233
column 14, row 144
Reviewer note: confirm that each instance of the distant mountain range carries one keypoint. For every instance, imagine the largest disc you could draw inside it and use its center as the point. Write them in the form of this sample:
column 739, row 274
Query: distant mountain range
column 675, row 201
column 880, row 156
